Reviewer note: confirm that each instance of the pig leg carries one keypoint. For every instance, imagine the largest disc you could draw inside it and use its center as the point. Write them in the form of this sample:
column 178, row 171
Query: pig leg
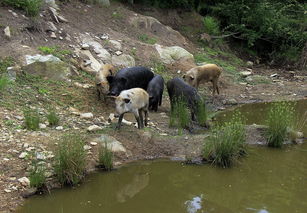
column 119, row 121
column 146, row 116
column 215, row 87
column 160, row 100
column 141, row 118
column 137, row 117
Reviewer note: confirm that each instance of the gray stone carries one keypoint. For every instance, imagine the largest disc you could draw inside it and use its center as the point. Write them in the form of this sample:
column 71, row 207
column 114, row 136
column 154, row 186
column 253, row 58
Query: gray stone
column 12, row 72
column 51, row 27
column 112, row 144
column 42, row 126
column 53, row 35
column 245, row 73
column 87, row 115
column 41, row 58
column 172, row 54
column 23, row 155
column 59, row 128
column 87, row 147
column 115, row 44
column 24, row 181
column 123, row 60
column 105, row 3
column 93, row 128
column 7, row 32
column 29, row 192
column 249, row 64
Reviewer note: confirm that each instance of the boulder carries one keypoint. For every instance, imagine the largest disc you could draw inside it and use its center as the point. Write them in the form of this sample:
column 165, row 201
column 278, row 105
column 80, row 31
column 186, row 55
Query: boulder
column 41, row 58
column 53, row 70
column 7, row 32
column 123, row 60
column 172, row 54
column 112, row 144
column 105, row 3
column 115, row 45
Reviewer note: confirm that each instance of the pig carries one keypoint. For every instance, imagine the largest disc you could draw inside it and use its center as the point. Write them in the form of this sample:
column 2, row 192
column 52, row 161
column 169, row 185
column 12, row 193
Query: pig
column 134, row 100
column 102, row 84
column 127, row 78
column 155, row 91
column 177, row 88
column 205, row 73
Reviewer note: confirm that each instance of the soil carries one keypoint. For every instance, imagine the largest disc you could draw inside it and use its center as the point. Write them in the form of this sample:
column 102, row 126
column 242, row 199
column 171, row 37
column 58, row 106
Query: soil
column 156, row 141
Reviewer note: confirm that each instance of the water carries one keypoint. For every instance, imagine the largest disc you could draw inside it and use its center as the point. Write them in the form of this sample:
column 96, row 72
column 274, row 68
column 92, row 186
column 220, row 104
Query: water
column 266, row 181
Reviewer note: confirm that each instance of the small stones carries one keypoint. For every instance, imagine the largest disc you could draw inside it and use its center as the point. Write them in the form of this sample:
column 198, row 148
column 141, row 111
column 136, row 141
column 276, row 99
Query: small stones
column 42, row 126
column 85, row 46
column 23, row 155
column 24, row 181
column 53, row 35
column 273, row 75
column 86, row 115
column 245, row 73
column 59, row 128
column 87, row 147
column 93, row 128
column 118, row 52
column 93, row 143
column 104, row 36
column 7, row 32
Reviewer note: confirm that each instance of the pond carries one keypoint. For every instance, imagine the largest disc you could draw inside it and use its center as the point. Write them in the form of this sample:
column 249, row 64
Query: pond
column 266, row 181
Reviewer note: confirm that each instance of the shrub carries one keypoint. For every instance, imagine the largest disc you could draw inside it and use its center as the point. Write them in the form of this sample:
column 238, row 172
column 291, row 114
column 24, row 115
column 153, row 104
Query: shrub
column 280, row 117
column 70, row 159
column 52, row 118
column 54, row 50
column 211, row 25
column 146, row 39
column 31, row 119
column 31, row 7
column 202, row 114
column 5, row 63
column 226, row 142
column 37, row 174
column 105, row 157
column 179, row 114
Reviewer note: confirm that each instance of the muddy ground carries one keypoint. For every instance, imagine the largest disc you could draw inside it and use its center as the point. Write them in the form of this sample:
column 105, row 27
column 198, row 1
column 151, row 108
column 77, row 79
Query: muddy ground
column 156, row 141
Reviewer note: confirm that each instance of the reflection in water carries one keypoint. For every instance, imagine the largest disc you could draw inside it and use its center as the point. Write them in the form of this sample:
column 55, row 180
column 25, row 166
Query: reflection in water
column 194, row 205
column 139, row 182
column 258, row 211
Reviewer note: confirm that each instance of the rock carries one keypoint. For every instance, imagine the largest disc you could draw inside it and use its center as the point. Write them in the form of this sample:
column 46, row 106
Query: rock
column 94, row 64
column 86, row 115
column 51, row 27
column 7, row 32
column 172, row 54
column 123, row 60
column 245, row 73
column 102, row 53
column 53, row 70
column 93, row 143
column 53, row 35
column 23, row 155
column 41, row 58
column 273, row 75
column 111, row 117
column 87, row 147
column 12, row 72
column 85, row 46
column 51, row 3
column 29, row 192
column 146, row 137
column 249, row 64
column 115, row 45
column 104, row 37
column 42, row 126
column 127, row 122
column 112, row 143
column 7, row 190
column 55, row 15
column 74, row 111
column 24, row 181
column 94, row 128
column 59, row 128
column 40, row 156
column 105, row 3
column 118, row 53
column 232, row 101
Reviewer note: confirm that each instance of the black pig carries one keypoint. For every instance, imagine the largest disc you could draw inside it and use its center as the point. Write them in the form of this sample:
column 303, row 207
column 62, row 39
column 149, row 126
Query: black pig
column 177, row 88
column 127, row 78
column 155, row 91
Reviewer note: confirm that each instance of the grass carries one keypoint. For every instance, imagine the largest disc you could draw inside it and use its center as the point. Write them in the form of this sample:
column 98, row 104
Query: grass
column 105, row 157
column 280, row 118
column 226, row 142
column 4, row 82
column 146, row 39
column 70, row 159
column 37, row 174
column 5, row 63
column 202, row 113
column 52, row 118
column 179, row 114
column 31, row 7
column 31, row 119
column 55, row 50
column 211, row 25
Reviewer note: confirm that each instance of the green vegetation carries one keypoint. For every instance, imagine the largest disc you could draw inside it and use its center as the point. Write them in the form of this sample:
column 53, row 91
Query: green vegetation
column 31, row 7
column 70, row 159
column 202, row 113
column 146, row 39
column 52, row 118
column 211, row 25
column 55, row 50
column 5, row 63
column 179, row 114
column 280, row 118
column 4, row 82
column 105, row 156
column 226, row 142
column 31, row 119
column 37, row 174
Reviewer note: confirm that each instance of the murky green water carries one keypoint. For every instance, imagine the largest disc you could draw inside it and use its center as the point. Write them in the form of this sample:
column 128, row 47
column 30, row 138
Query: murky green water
column 268, row 180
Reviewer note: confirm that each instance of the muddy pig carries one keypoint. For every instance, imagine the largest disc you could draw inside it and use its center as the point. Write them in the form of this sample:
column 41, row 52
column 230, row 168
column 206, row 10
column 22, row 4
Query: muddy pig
column 205, row 73
column 134, row 100
column 155, row 91
column 178, row 89
column 102, row 84
column 127, row 78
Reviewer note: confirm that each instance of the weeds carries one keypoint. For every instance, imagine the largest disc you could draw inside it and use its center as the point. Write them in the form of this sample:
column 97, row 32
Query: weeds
column 52, row 118
column 201, row 114
column 211, row 25
column 70, row 159
column 179, row 114
column 54, row 50
column 37, row 174
column 5, row 63
column 226, row 142
column 4, row 82
column 31, row 119
column 146, row 39
column 105, row 157
column 280, row 118
column 31, row 7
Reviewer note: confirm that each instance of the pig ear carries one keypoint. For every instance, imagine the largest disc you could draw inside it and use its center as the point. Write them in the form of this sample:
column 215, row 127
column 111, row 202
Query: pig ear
column 126, row 100
column 110, row 79
column 191, row 77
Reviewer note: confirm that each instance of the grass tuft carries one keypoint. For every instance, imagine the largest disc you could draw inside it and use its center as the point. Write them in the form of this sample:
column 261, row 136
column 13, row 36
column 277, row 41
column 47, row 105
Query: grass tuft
column 31, row 119
column 146, row 39
column 4, row 82
column 37, row 174
column 202, row 113
column 280, row 118
column 31, row 7
column 52, row 118
column 105, row 157
column 70, row 159
column 179, row 114
column 226, row 142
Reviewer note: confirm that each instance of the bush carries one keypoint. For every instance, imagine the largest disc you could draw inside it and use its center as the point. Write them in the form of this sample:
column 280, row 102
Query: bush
column 52, row 118
column 179, row 114
column 202, row 114
column 211, row 25
column 146, row 39
column 31, row 7
column 280, row 118
column 37, row 175
column 31, row 119
column 70, row 160
column 105, row 157
column 226, row 142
